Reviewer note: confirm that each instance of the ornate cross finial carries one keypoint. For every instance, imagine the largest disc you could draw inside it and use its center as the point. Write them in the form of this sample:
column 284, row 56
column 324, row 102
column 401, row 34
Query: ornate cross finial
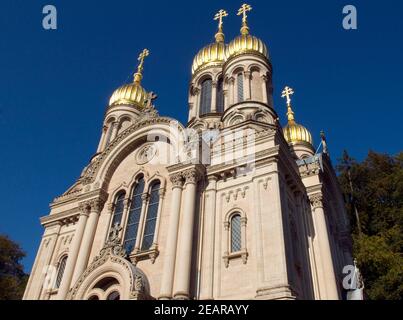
column 138, row 75
column 219, row 15
column 242, row 10
column 287, row 93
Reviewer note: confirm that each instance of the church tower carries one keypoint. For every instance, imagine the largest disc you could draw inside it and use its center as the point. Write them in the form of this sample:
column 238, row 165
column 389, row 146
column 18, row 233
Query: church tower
column 229, row 206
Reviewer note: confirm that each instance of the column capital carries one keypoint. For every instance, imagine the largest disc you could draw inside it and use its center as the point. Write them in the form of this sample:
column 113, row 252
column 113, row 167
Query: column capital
column 231, row 80
column 145, row 196
column 264, row 77
column 191, row 176
column 176, row 180
column 111, row 207
column 316, row 200
column 247, row 74
column 214, row 83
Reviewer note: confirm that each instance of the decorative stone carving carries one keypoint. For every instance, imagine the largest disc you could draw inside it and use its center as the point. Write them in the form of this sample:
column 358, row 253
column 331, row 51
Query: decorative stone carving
column 146, row 154
column 176, row 180
column 316, row 200
column 191, row 176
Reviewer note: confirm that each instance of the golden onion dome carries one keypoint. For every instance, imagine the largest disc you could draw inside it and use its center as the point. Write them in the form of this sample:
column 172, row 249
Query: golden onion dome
column 294, row 132
column 132, row 93
column 214, row 53
column 246, row 43
column 211, row 55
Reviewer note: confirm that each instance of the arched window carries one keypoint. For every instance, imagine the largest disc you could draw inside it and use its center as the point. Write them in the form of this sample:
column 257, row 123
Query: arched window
column 60, row 271
column 113, row 296
column 205, row 96
column 152, row 213
column 220, row 96
column 119, row 206
column 240, row 87
column 236, row 233
column 134, row 216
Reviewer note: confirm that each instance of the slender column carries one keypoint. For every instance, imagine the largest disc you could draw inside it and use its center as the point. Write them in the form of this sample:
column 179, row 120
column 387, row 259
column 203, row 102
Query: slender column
column 126, row 207
column 264, row 89
column 225, row 94
column 207, row 270
column 327, row 279
column 172, row 238
column 102, row 140
column 73, row 253
column 214, row 97
column 88, row 239
column 231, row 98
column 144, row 197
column 197, row 92
column 182, row 271
column 114, row 131
column 247, row 84
column 161, row 194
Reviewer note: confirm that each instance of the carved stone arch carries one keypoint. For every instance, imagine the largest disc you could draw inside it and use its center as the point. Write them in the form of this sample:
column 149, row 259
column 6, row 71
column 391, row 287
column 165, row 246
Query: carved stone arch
column 132, row 282
column 115, row 192
column 141, row 172
column 234, row 211
column 235, row 118
column 237, row 69
column 101, row 170
column 203, row 76
column 155, row 177
column 110, row 119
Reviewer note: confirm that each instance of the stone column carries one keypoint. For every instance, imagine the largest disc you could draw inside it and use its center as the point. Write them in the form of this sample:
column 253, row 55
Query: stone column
column 172, row 238
column 323, row 258
column 114, row 131
column 214, row 97
column 87, row 240
column 246, row 87
column 197, row 92
column 184, row 257
column 144, row 197
column 231, row 98
column 102, row 140
column 73, row 253
column 225, row 94
column 207, row 269
column 264, row 89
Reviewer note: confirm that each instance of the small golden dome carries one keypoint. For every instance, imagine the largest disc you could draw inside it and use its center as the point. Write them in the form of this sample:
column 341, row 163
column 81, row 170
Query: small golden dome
column 296, row 133
column 213, row 54
column 130, row 94
column 246, row 43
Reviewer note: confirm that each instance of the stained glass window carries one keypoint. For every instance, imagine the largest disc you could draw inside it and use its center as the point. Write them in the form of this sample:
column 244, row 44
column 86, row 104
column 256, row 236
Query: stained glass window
column 205, row 98
column 240, row 87
column 134, row 216
column 119, row 206
column 60, row 272
column 236, row 234
column 151, row 220
column 220, row 96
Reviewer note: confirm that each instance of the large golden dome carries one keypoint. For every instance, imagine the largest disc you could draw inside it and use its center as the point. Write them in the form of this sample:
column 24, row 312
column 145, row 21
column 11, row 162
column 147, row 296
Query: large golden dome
column 210, row 55
column 246, row 43
column 130, row 94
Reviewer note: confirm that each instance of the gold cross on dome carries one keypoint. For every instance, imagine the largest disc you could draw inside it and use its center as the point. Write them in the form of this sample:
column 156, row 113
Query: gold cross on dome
column 242, row 10
column 141, row 58
column 287, row 93
column 219, row 15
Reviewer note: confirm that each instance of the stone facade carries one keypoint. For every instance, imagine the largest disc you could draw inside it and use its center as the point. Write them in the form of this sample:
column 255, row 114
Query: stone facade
column 290, row 233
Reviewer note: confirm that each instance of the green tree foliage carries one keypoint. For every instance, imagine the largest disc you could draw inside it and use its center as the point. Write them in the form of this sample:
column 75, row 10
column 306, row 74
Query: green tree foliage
column 12, row 277
column 377, row 193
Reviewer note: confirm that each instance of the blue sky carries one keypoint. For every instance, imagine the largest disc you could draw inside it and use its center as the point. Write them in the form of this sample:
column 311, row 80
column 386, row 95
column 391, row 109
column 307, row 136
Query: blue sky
column 54, row 85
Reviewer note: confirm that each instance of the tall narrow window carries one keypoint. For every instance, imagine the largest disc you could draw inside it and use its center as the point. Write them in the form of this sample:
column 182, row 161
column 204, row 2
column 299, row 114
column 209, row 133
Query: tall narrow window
column 134, row 216
column 60, row 271
column 205, row 97
column 119, row 206
column 240, row 87
column 236, row 234
column 152, row 212
column 220, row 96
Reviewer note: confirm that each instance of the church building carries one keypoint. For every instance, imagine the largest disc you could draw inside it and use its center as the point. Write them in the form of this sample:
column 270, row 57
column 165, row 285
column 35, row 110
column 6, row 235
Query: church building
column 232, row 205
